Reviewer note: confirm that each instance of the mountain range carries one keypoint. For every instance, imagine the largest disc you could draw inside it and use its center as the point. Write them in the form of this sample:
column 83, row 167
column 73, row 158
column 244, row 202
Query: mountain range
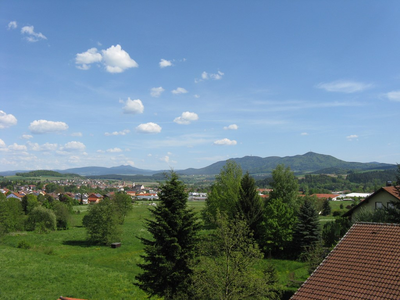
column 307, row 163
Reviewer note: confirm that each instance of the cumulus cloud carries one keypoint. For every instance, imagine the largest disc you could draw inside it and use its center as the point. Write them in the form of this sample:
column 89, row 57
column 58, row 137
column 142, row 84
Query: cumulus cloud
column 179, row 90
column 304, row 133
column 74, row 146
column 123, row 132
column 7, row 120
column 165, row 63
column 156, row 91
column 78, row 134
column 114, row 150
column 12, row 25
column 85, row 58
column 207, row 76
column 225, row 142
column 352, row 137
column 186, row 118
column 394, row 96
column 343, row 86
column 44, row 126
column 17, row 147
column 231, row 127
column 165, row 158
column 133, row 106
column 117, row 60
column 44, row 147
column 27, row 136
column 114, row 59
column 149, row 128
column 31, row 35
column 2, row 144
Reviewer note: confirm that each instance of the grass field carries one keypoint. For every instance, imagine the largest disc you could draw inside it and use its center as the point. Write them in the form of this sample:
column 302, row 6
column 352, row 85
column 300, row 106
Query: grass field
column 61, row 263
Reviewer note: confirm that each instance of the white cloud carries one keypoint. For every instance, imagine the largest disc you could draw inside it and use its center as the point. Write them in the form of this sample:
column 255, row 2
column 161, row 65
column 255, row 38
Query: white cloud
column 133, row 106
column 85, row 58
column 2, row 144
column 44, row 147
column 32, row 36
column 123, row 132
column 343, row 86
column 197, row 96
column 78, row 134
column 231, row 127
column 27, row 136
column 73, row 146
column 17, row 147
column 165, row 158
column 394, row 96
column 12, row 25
column 225, row 142
column 117, row 60
column 352, row 137
column 44, row 126
column 207, row 76
column 304, row 133
column 165, row 63
column 179, row 90
column 186, row 118
column 7, row 120
column 149, row 128
column 156, row 91
column 114, row 150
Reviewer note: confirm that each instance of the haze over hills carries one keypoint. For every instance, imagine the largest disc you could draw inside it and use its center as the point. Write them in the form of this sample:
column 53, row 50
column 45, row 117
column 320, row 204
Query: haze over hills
column 307, row 163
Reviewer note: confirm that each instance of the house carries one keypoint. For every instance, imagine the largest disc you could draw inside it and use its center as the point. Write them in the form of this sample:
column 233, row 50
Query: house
column 382, row 198
column 365, row 264
column 15, row 195
column 94, row 198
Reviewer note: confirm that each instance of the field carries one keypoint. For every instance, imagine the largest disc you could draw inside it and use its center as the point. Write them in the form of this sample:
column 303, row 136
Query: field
column 61, row 263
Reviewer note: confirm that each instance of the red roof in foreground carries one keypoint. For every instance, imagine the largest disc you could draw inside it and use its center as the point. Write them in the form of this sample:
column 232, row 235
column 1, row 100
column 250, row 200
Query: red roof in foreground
column 365, row 264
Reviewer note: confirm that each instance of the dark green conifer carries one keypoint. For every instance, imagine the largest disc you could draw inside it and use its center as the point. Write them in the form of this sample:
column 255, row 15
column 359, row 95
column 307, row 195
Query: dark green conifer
column 174, row 227
column 308, row 230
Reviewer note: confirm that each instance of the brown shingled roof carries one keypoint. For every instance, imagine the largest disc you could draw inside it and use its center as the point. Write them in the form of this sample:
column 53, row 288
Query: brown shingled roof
column 365, row 264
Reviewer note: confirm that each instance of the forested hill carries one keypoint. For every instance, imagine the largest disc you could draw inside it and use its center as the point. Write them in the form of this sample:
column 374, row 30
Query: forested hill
column 306, row 163
column 45, row 173
column 300, row 164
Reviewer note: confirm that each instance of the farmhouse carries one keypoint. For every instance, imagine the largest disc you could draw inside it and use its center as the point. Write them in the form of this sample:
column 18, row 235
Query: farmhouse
column 382, row 198
column 364, row 265
column 95, row 198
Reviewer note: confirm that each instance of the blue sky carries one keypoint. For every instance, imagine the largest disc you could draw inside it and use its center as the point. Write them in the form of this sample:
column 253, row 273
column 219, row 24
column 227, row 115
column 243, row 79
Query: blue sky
column 180, row 84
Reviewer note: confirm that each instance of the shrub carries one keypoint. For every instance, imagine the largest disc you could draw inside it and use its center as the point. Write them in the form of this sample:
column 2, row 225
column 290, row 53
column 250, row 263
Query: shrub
column 63, row 215
column 41, row 219
column 24, row 245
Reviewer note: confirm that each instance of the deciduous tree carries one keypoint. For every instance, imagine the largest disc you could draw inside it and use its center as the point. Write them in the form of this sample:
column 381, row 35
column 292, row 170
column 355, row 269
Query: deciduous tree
column 224, row 193
column 102, row 223
column 227, row 267
column 285, row 186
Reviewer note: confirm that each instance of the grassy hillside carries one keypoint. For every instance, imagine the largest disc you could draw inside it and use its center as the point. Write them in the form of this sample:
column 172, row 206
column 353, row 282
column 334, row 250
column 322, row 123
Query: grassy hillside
column 61, row 263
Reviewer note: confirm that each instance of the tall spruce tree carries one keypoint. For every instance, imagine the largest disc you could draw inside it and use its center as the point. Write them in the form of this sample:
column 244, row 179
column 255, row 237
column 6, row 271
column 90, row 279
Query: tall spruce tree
column 168, row 254
column 250, row 206
column 308, row 230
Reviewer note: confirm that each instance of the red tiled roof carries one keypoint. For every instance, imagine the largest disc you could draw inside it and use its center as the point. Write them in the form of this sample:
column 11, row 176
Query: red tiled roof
column 394, row 191
column 365, row 264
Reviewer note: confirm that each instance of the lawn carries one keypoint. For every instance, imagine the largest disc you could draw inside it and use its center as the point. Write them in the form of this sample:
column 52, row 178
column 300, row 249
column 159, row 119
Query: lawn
column 61, row 263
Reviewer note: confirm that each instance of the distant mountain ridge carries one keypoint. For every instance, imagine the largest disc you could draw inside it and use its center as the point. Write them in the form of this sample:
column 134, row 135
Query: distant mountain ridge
column 307, row 163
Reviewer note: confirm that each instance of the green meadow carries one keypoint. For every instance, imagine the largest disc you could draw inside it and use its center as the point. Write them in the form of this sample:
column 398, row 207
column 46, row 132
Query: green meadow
column 62, row 263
